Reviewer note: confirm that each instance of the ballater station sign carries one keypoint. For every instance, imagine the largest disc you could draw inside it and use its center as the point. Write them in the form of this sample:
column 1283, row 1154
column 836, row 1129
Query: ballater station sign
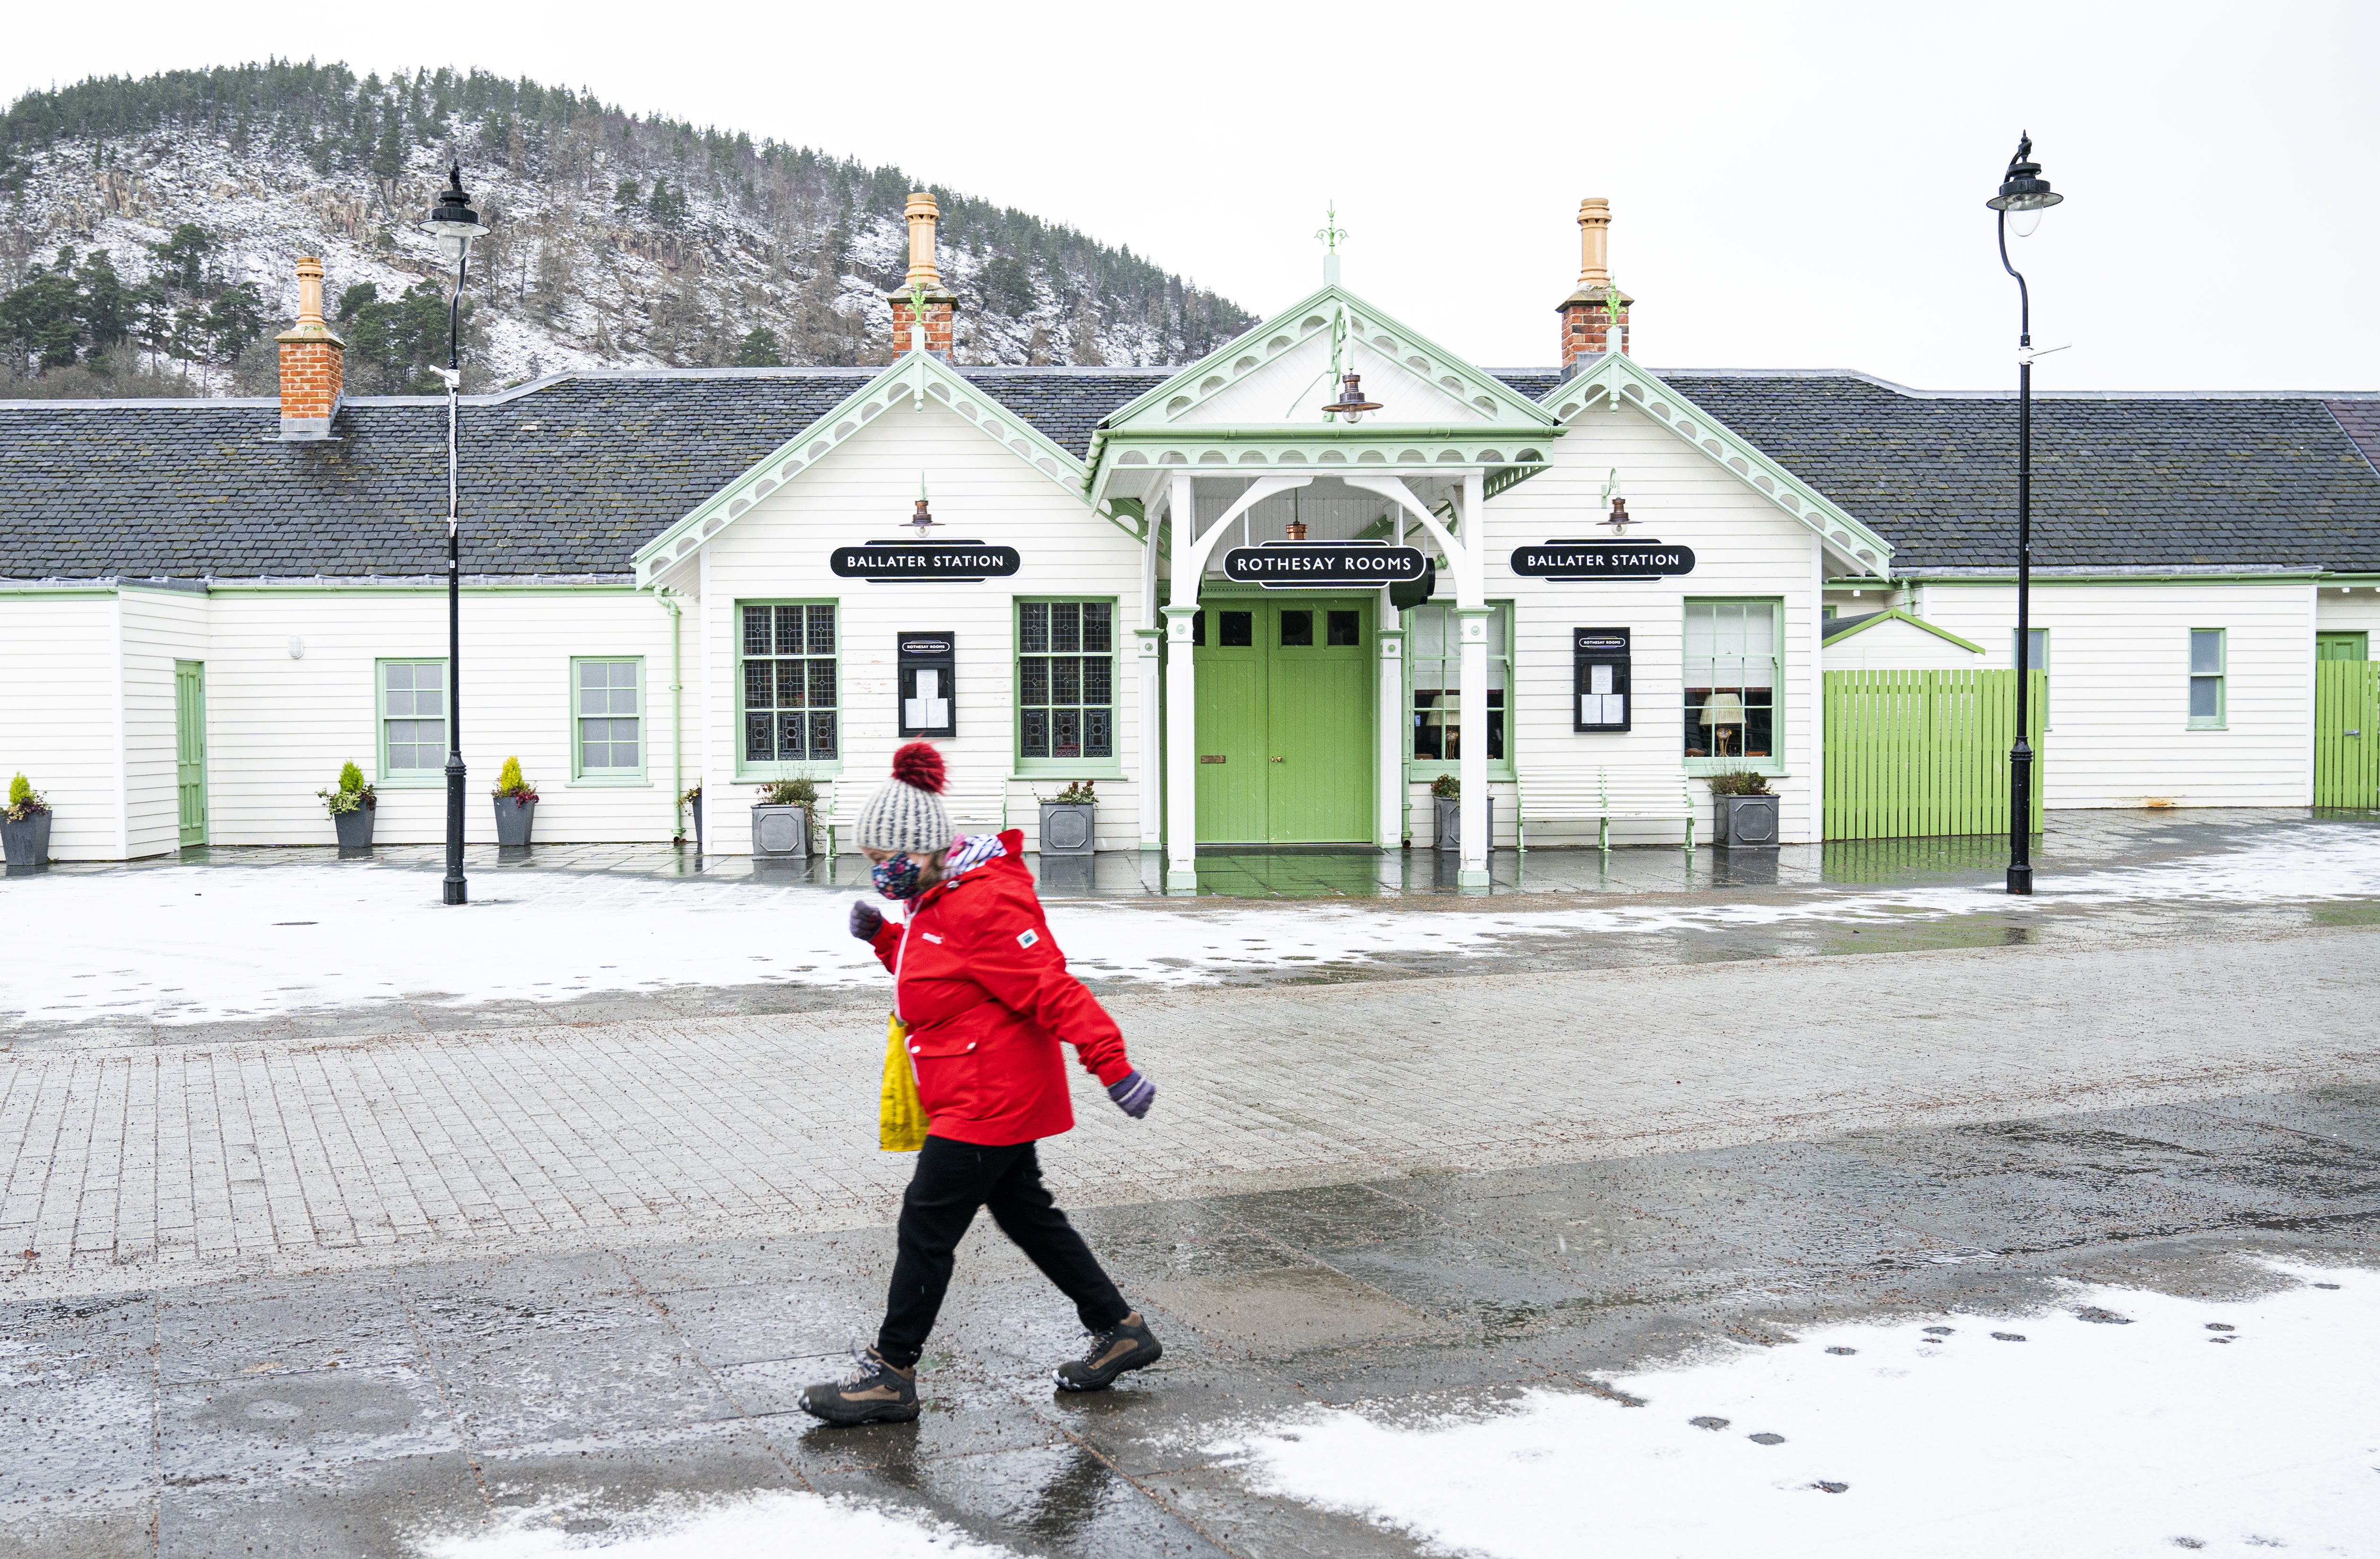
column 969, row 562
column 1322, row 565
column 1602, row 560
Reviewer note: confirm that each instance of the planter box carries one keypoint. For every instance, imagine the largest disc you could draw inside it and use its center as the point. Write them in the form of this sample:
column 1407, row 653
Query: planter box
column 513, row 819
column 1066, row 828
column 696, row 805
column 1746, row 821
column 1447, row 814
column 355, row 830
column 27, row 844
column 780, row 832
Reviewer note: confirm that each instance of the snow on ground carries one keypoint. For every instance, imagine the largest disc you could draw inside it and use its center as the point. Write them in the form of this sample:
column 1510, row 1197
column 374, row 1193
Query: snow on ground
column 763, row 1526
column 182, row 945
column 2222, row 1428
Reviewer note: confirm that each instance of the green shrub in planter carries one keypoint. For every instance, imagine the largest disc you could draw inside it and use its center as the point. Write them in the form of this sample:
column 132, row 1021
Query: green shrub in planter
column 1446, row 811
column 352, row 805
column 692, row 801
column 516, row 805
column 25, row 828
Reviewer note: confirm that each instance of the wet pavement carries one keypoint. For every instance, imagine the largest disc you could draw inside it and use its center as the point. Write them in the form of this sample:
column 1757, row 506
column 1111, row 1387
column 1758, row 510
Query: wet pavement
column 369, row 1412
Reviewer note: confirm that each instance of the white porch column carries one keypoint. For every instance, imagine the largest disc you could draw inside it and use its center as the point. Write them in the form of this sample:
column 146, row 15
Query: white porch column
column 1471, row 616
column 1148, row 667
column 1389, row 824
column 1181, row 693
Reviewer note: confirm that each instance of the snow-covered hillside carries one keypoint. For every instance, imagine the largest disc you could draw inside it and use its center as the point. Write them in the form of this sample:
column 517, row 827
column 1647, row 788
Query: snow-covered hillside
column 617, row 241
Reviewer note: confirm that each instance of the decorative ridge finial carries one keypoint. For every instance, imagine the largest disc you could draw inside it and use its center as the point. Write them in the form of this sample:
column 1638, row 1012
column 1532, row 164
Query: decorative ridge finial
column 1331, row 233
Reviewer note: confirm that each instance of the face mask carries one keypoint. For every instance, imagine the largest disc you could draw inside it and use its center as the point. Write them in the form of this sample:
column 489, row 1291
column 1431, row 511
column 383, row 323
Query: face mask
column 896, row 876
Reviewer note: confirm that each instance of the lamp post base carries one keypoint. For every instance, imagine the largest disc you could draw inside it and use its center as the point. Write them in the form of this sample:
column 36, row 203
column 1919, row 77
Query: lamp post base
column 2020, row 880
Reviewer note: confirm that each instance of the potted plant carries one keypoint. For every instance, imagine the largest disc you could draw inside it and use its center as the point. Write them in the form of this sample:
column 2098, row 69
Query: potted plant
column 516, row 805
column 1746, row 809
column 26, row 829
column 1067, row 823
column 692, row 801
column 1446, row 809
column 781, row 819
column 352, row 805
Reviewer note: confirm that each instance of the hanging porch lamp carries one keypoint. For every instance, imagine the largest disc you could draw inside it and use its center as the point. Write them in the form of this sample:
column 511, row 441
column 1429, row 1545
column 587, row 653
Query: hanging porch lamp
column 1351, row 403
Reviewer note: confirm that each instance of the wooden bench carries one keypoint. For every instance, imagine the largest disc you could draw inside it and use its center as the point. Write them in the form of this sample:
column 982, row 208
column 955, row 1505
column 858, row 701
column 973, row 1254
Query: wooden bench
column 1605, row 798
column 972, row 812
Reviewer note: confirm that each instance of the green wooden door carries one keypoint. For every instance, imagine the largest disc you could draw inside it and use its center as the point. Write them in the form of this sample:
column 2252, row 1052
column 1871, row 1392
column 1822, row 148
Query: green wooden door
column 2341, row 647
column 190, row 749
column 1285, row 696
column 2346, row 732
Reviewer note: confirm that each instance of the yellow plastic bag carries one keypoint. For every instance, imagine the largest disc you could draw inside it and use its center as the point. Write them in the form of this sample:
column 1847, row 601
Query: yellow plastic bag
column 900, row 1115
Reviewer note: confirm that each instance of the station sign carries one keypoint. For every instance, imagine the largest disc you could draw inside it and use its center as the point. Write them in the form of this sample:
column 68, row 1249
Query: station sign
column 924, row 562
column 1592, row 559
column 1324, row 565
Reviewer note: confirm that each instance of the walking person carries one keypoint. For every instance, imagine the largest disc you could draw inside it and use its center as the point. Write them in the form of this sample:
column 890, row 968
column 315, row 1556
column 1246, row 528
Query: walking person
column 980, row 984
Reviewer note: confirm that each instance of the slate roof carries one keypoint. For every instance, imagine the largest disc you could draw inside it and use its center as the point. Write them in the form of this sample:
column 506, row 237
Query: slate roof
column 2218, row 482
column 571, row 476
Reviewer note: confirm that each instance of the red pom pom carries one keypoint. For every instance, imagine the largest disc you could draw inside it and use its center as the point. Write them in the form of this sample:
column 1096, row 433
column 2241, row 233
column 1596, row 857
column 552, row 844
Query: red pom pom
column 918, row 765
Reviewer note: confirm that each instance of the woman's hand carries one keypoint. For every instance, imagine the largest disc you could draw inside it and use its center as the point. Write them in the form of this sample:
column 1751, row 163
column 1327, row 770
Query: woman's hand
column 867, row 921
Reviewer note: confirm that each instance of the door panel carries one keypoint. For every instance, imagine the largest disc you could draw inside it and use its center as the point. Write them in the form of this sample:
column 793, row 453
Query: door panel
column 1321, row 721
column 1231, row 757
column 190, row 749
column 2341, row 647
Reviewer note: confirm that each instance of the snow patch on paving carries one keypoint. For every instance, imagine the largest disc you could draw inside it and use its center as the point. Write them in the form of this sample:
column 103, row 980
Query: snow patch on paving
column 760, row 1526
column 2165, row 1425
column 185, row 944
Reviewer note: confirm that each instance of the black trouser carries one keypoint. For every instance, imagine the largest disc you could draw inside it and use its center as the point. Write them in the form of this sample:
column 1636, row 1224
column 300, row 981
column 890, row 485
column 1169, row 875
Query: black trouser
column 952, row 1181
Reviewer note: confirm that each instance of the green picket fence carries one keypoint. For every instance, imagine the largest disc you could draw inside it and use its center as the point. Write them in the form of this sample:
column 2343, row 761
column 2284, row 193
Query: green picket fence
column 1925, row 752
column 2346, row 743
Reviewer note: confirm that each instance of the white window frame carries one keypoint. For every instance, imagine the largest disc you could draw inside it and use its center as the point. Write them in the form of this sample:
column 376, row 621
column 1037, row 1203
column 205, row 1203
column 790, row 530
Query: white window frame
column 1774, row 763
column 580, row 772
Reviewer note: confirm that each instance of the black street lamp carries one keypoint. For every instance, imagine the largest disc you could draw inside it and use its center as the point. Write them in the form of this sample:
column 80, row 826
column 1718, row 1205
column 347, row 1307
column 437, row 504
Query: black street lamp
column 2024, row 196
column 454, row 224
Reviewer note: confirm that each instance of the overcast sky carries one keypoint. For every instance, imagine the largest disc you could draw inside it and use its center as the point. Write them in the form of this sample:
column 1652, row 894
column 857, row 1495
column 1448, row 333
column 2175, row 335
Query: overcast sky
column 1794, row 186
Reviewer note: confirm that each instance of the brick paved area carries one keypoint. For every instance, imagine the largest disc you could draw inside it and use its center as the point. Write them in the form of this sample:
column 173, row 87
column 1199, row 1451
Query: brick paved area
column 161, row 1164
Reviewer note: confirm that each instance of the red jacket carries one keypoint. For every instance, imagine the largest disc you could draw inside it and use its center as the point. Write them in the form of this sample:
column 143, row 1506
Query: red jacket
column 980, row 982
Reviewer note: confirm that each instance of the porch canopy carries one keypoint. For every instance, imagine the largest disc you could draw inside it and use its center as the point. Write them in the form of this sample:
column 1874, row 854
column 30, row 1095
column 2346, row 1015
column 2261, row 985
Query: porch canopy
column 1228, row 451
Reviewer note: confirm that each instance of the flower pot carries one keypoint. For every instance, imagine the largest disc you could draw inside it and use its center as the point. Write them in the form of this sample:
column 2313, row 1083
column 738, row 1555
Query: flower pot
column 27, row 844
column 780, row 832
column 513, row 819
column 1447, row 811
column 1066, row 828
column 1746, row 821
column 355, row 830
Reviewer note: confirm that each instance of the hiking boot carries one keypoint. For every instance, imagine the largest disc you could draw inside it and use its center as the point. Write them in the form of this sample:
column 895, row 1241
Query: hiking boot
column 874, row 1393
column 1125, row 1345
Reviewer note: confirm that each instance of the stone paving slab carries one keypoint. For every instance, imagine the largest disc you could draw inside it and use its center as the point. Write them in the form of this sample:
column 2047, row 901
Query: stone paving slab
column 178, row 1164
column 364, row 1413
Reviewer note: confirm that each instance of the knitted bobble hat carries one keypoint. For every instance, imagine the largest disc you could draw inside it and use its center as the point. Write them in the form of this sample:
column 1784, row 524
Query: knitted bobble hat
column 907, row 813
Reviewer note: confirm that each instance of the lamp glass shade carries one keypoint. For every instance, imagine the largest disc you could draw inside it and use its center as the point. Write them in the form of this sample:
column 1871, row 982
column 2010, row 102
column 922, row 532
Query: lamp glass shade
column 1723, row 709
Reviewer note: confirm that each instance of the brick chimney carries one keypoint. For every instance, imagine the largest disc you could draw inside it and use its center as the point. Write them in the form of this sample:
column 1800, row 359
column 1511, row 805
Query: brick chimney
column 1594, row 320
column 925, row 276
column 312, row 362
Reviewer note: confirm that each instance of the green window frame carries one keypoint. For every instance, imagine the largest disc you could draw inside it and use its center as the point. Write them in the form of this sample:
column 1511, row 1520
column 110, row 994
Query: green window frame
column 1733, row 684
column 2209, row 696
column 2039, row 659
column 607, row 719
column 1066, row 676
column 1433, row 668
column 409, row 719
column 788, row 689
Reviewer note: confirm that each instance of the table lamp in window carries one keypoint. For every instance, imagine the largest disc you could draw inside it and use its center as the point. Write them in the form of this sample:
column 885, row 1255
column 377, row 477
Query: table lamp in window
column 1719, row 711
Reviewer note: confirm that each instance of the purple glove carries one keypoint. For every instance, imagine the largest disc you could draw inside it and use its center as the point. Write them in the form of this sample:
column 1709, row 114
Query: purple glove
column 866, row 920
column 1133, row 1094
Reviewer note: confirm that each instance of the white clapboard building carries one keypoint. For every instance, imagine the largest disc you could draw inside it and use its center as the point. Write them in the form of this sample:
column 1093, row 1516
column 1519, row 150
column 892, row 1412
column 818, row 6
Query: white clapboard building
column 1603, row 585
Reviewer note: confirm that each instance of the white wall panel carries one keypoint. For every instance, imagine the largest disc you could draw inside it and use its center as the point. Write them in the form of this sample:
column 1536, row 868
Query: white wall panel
column 159, row 627
column 779, row 550
column 1898, row 646
column 2355, row 609
column 2119, row 730
column 1743, row 546
column 61, row 715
